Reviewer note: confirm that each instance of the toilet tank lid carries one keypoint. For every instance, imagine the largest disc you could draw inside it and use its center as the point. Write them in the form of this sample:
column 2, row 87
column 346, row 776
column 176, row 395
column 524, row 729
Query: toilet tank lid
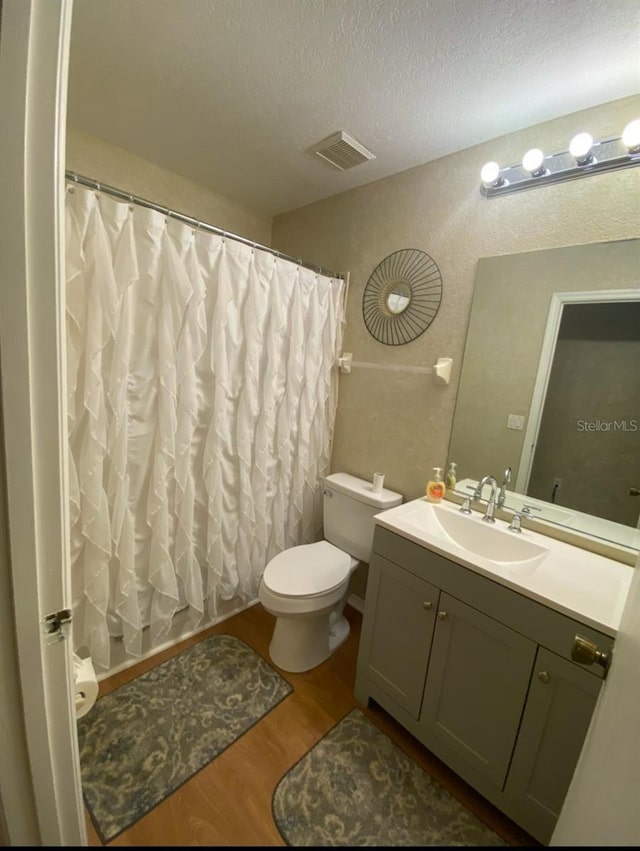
column 362, row 490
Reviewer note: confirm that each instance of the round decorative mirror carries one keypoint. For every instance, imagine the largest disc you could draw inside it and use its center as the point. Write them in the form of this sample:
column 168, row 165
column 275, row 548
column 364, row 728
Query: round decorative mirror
column 402, row 297
column 398, row 297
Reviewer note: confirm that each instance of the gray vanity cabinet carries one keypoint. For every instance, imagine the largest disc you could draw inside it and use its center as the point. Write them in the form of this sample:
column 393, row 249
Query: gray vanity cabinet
column 559, row 707
column 480, row 674
column 475, row 689
column 397, row 631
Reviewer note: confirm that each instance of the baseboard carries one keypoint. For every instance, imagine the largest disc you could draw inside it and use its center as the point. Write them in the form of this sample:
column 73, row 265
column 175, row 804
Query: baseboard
column 356, row 602
column 177, row 635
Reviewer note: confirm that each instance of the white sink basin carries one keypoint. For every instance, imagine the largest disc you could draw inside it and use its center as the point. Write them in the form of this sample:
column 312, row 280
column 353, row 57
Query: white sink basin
column 487, row 540
column 471, row 533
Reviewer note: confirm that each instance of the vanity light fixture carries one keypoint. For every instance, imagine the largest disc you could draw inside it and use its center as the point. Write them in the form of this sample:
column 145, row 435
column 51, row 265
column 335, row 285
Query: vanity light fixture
column 631, row 136
column 581, row 149
column 584, row 156
column 533, row 162
column 490, row 175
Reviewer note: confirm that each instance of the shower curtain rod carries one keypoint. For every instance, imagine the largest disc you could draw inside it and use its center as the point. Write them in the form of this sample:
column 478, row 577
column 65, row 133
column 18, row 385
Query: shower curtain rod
column 181, row 217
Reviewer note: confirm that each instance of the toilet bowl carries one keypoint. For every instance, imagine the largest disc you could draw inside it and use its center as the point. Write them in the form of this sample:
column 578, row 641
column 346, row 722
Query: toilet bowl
column 306, row 587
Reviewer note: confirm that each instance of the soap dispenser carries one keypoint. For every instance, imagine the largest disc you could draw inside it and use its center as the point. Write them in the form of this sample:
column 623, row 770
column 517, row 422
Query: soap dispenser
column 451, row 476
column 435, row 487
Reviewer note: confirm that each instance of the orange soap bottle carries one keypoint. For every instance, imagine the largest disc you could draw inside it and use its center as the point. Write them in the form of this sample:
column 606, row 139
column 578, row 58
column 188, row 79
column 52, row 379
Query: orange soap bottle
column 435, row 487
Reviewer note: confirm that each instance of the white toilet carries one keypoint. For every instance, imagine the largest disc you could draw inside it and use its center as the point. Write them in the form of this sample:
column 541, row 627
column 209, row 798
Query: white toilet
column 306, row 587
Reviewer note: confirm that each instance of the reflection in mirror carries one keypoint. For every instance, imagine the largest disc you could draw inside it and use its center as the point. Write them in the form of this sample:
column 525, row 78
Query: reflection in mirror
column 398, row 297
column 550, row 387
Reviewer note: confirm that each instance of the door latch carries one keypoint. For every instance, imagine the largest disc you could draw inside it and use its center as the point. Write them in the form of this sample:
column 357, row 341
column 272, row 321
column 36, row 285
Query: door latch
column 56, row 625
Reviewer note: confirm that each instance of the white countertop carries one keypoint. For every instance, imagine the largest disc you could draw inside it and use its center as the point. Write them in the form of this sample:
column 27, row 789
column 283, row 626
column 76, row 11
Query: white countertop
column 586, row 586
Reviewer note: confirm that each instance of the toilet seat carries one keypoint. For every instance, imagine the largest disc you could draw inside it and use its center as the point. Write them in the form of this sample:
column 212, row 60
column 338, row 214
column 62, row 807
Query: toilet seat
column 308, row 570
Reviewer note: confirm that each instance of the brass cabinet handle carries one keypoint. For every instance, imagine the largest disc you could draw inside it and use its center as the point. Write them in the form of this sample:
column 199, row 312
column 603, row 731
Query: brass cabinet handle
column 586, row 652
column 427, row 605
column 543, row 676
column 442, row 616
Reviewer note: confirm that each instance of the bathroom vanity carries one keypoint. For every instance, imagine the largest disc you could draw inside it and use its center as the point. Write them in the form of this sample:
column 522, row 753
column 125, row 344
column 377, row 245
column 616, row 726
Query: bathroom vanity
column 490, row 647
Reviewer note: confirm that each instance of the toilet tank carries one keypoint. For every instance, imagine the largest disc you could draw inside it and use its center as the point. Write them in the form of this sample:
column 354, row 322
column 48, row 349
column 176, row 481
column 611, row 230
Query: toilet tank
column 349, row 506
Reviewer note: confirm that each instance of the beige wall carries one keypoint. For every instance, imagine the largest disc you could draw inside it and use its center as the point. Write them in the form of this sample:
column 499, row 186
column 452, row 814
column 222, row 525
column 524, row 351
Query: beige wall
column 106, row 163
column 400, row 423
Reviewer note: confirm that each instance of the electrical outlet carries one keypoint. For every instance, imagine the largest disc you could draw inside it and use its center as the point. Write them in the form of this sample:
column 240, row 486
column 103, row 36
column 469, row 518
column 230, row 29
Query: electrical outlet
column 515, row 421
column 557, row 483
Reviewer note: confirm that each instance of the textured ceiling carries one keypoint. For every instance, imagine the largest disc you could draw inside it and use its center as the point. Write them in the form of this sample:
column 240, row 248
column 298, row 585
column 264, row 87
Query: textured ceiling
column 234, row 93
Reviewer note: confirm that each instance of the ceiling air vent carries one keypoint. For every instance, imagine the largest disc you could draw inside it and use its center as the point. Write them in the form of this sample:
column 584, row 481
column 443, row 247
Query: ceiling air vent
column 342, row 151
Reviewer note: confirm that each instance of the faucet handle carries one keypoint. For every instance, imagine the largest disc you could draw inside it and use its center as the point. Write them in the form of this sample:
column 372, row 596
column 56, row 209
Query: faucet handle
column 527, row 509
column 516, row 522
column 466, row 505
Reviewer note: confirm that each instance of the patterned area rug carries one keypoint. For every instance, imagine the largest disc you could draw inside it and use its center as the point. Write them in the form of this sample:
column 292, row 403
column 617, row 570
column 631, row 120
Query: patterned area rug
column 356, row 787
column 142, row 741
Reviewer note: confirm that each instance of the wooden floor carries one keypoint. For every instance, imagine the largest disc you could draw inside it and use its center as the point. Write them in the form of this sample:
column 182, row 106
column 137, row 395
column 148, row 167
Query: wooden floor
column 229, row 801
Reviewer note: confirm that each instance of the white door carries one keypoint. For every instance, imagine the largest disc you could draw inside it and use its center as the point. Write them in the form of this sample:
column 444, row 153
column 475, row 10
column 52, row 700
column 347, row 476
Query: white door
column 45, row 808
column 601, row 807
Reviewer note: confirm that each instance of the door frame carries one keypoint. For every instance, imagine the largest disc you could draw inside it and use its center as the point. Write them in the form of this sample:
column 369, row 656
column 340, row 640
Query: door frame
column 41, row 739
column 547, row 353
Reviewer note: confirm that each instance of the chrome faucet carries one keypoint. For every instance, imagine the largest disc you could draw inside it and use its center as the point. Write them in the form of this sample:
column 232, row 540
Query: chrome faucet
column 491, row 505
column 502, row 495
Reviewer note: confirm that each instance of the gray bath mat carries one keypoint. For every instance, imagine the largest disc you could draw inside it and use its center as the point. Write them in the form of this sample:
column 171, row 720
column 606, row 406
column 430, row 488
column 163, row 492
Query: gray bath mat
column 356, row 787
column 142, row 741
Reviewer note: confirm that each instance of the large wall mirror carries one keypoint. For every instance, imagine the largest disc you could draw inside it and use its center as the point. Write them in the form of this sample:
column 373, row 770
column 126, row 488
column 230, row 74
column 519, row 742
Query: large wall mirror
column 550, row 387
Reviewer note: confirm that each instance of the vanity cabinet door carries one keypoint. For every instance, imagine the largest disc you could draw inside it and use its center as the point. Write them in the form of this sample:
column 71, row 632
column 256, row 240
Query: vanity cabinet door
column 397, row 629
column 475, row 691
column 559, row 707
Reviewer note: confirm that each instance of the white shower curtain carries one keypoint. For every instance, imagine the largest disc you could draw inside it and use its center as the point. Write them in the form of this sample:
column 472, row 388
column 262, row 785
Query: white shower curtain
column 202, row 392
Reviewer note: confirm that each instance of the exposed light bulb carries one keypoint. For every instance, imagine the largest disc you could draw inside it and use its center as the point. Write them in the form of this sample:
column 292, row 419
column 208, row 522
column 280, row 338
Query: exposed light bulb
column 490, row 174
column 532, row 162
column 631, row 136
column 580, row 148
